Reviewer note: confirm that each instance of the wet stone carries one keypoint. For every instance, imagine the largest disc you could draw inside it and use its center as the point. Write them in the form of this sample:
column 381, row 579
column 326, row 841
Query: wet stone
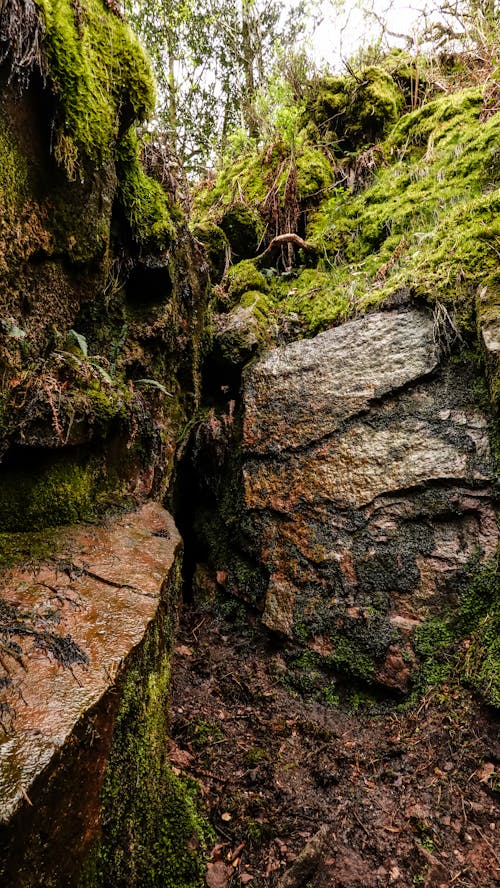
column 68, row 628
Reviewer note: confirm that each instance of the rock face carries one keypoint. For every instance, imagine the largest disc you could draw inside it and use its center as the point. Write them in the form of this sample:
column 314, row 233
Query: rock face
column 72, row 630
column 367, row 487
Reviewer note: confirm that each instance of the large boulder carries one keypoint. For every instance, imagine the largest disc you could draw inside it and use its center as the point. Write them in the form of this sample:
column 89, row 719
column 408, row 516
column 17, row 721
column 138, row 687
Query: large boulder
column 367, row 487
column 85, row 640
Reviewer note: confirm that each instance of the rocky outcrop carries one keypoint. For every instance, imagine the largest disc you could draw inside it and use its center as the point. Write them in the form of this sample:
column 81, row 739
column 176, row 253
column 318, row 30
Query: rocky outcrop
column 85, row 636
column 367, row 489
column 102, row 289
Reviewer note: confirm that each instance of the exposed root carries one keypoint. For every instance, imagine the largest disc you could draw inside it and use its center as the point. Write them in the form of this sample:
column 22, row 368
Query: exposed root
column 21, row 34
column 276, row 246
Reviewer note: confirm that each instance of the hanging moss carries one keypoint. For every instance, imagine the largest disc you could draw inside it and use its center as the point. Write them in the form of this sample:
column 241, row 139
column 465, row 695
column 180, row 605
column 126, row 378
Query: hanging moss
column 100, row 77
column 142, row 199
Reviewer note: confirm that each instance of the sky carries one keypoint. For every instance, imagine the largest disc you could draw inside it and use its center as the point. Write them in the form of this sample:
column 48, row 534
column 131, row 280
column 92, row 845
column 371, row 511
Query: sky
column 341, row 33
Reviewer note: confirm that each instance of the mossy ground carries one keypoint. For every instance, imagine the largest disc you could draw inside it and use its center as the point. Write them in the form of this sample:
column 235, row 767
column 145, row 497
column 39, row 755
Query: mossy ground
column 416, row 215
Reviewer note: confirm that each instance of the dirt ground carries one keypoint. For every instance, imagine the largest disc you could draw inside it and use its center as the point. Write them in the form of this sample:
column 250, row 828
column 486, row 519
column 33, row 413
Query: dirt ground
column 302, row 793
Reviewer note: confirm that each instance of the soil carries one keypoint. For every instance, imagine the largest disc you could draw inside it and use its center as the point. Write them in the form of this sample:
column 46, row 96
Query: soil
column 302, row 793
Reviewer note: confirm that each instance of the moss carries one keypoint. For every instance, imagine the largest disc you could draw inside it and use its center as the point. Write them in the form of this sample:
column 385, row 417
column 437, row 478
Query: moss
column 13, row 174
column 243, row 277
column 244, row 228
column 243, row 175
column 63, row 491
column 319, row 300
column 465, row 645
column 357, row 110
column 479, row 621
column 19, row 548
column 217, row 247
column 142, row 199
column 100, row 76
column 152, row 832
column 315, row 173
column 427, row 226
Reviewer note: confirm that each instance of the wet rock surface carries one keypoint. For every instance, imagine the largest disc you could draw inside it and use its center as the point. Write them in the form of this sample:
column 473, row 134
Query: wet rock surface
column 68, row 627
column 367, row 482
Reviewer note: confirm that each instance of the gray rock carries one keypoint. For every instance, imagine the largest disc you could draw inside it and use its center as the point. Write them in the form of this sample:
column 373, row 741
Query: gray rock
column 367, row 482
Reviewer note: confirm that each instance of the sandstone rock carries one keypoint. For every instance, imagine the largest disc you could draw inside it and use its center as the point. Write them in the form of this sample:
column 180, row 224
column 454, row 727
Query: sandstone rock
column 367, row 482
column 71, row 629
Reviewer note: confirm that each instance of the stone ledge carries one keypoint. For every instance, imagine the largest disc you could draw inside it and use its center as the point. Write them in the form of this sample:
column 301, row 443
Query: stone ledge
column 74, row 620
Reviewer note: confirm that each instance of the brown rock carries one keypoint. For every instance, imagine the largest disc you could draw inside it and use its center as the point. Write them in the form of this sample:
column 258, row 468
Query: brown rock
column 367, row 486
column 77, row 620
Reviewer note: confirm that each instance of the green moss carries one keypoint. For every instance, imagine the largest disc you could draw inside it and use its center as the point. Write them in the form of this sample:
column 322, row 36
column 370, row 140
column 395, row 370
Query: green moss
column 465, row 645
column 479, row 621
column 358, row 110
column 315, row 173
column 19, row 548
column 152, row 832
column 13, row 174
column 100, row 77
column 244, row 228
column 62, row 492
column 350, row 658
column 142, row 199
column 244, row 174
column 320, row 299
column 243, row 277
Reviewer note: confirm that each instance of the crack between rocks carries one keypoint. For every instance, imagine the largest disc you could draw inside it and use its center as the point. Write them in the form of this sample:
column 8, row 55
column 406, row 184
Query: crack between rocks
column 345, row 424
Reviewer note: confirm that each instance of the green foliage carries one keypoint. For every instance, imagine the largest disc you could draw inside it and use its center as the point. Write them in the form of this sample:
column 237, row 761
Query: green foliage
column 416, row 214
column 210, row 59
column 100, row 76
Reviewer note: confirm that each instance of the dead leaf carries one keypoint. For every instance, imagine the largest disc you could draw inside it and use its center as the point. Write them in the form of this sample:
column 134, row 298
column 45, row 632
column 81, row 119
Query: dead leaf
column 179, row 756
column 217, row 875
column 183, row 650
column 486, row 772
column 226, row 817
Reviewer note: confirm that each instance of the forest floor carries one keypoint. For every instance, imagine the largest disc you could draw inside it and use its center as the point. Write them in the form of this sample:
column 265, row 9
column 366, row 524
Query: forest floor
column 302, row 793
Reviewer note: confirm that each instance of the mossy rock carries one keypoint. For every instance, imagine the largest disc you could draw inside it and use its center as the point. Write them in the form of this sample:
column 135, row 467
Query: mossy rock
column 142, row 199
column 239, row 334
column 63, row 491
column 217, row 248
column 244, row 277
column 100, row 77
column 359, row 110
column 244, row 228
column 314, row 173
